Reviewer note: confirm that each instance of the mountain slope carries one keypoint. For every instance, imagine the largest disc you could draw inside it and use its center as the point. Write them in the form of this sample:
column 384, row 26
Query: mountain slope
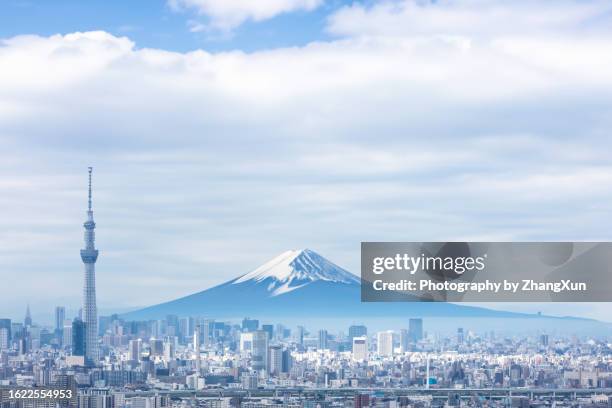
column 295, row 269
column 299, row 284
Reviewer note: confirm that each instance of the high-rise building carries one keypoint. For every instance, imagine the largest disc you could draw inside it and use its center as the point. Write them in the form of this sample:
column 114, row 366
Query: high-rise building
column 78, row 338
column 246, row 342
column 259, row 350
column 384, row 343
column 183, row 328
column 249, row 325
column 415, row 330
column 5, row 327
column 207, row 332
column 460, row 335
column 287, row 361
column 196, row 348
column 268, row 328
column 275, row 365
column 67, row 333
column 135, row 349
column 300, row 336
column 280, row 332
column 169, row 351
column 4, row 338
column 60, row 316
column 323, row 339
column 157, row 347
column 361, row 401
column 360, row 348
column 27, row 322
column 89, row 256
column 357, row 331
column 404, row 340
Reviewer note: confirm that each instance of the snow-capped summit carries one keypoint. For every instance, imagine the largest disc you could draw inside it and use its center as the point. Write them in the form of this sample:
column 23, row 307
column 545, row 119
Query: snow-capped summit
column 294, row 269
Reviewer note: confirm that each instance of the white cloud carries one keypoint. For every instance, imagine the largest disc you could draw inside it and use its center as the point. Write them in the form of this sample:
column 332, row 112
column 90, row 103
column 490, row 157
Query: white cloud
column 209, row 163
column 476, row 18
column 228, row 14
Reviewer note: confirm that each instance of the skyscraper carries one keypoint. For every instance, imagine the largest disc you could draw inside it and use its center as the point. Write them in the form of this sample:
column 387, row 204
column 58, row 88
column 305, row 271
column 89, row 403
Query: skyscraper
column 6, row 324
column 360, row 348
column 415, row 330
column 78, row 337
column 60, row 316
column 249, row 325
column 404, row 340
column 259, row 354
column 357, row 331
column 5, row 334
column 385, row 343
column 275, row 365
column 27, row 322
column 89, row 255
column 135, row 349
column 196, row 349
column 300, row 336
column 323, row 339
column 268, row 328
column 67, row 333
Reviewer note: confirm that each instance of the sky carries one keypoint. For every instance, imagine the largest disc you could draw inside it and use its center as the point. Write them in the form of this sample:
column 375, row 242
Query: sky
column 223, row 133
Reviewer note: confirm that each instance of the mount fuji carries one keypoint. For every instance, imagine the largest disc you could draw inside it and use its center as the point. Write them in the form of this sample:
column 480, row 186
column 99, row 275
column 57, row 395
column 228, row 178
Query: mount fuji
column 300, row 284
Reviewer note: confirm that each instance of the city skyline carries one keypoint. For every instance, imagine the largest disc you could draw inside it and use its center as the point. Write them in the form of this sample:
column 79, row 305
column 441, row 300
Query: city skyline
column 176, row 356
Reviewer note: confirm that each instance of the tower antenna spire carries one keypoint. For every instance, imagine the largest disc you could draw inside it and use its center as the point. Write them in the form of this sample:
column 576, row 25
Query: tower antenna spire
column 90, row 169
column 89, row 255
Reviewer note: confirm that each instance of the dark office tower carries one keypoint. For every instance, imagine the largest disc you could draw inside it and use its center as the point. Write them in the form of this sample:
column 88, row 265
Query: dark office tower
column 362, row 401
column 24, row 344
column 287, row 361
column 249, row 325
column 300, row 335
column 6, row 325
column 60, row 316
column 415, row 330
column 268, row 328
column 323, row 339
column 460, row 336
column 544, row 340
column 357, row 331
column 78, row 337
column 27, row 322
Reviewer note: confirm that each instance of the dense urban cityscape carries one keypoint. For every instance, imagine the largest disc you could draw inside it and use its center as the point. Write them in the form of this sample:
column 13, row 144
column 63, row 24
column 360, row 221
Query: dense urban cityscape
column 181, row 361
column 191, row 361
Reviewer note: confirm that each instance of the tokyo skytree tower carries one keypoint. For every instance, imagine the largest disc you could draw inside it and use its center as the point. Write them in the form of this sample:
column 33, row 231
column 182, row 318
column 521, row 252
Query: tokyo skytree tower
column 89, row 255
